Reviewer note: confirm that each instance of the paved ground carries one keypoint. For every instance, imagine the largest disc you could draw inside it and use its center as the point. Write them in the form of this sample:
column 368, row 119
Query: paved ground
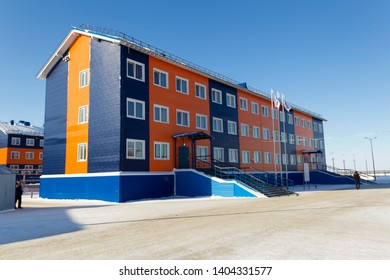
column 338, row 224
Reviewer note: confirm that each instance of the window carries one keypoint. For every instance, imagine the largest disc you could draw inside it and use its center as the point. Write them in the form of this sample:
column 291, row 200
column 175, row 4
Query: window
column 246, row 157
column 200, row 91
column 161, row 114
column 257, row 157
column 40, row 155
column 83, row 114
column 267, row 158
column 216, row 96
column 264, row 111
column 160, row 78
column 135, row 149
column 182, row 118
column 292, row 139
column 15, row 141
column 285, row 159
column 320, row 128
column 256, row 132
column 298, row 140
column 276, row 136
column 182, row 85
column 255, row 108
column 41, row 143
column 296, row 121
column 315, row 126
column 217, row 125
column 274, row 114
column 244, row 130
column 14, row 167
column 30, row 142
column 230, row 100
column 83, row 78
column 232, row 127
column 81, row 152
column 201, row 121
column 311, row 142
column 161, row 151
column 303, row 121
column 277, row 159
column 299, row 159
column 293, row 159
column 282, row 117
column 202, row 152
column 135, row 70
column 28, row 167
column 135, row 109
column 283, row 137
column 309, row 125
column 244, row 104
column 290, row 119
column 15, row 155
column 305, row 141
column 219, row 154
column 266, row 134
column 233, row 155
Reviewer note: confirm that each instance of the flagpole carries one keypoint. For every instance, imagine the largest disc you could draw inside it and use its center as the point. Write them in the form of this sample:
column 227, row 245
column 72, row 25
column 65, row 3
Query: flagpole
column 277, row 115
column 285, row 133
column 273, row 128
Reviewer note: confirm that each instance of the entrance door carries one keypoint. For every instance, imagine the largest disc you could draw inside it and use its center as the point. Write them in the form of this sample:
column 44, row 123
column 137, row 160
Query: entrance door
column 184, row 157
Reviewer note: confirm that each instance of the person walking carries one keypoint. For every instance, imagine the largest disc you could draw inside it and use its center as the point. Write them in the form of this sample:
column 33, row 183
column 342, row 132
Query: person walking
column 356, row 176
column 18, row 194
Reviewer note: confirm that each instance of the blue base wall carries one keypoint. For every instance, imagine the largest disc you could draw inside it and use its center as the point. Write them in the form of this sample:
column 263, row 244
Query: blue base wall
column 321, row 177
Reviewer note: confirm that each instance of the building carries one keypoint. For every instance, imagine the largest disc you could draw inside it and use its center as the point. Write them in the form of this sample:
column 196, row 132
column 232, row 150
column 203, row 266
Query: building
column 21, row 146
column 122, row 117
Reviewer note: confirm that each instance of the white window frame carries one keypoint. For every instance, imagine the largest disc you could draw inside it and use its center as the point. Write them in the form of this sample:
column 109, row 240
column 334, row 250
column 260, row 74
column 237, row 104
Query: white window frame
column 182, row 85
column 14, row 167
column 135, row 142
column 202, row 153
column 163, row 147
column 201, row 121
column 267, row 158
column 303, row 123
column 15, row 155
column 83, row 114
column 41, row 142
column 285, row 159
column 276, row 135
column 245, row 157
column 134, row 66
column 15, row 141
column 233, row 155
column 266, row 134
column 182, row 117
column 30, row 142
column 40, row 156
column 82, row 152
column 200, row 93
column 160, row 75
column 290, row 118
column 256, row 132
column 232, row 127
column 243, row 104
column 160, row 109
column 255, row 108
column 299, row 159
column 277, row 159
column 291, row 139
column 216, row 96
column 84, row 78
column 244, row 130
column 230, row 100
column 29, row 155
column 135, row 108
column 296, row 120
column 219, row 154
column 28, row 167
column 293, row 160
column 217, row 128
column 257, row 157
column 264, row 111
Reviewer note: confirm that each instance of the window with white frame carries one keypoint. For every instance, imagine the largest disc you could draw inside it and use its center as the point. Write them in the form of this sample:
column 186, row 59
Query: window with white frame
column 216, row 96
column 291, row 139
column 232, row 127
column 30, row 142
column 303, row 122
column 135, row 70
column 233, row 155
column 41, row 143
column 315, row 126
column 40, row 155
column 309, row 126
column 311, row 142
column 84, row 78
column 217, row 125
column 277, row 159
column 82, row 152
column 135, row 109
column 83, row 114
column 161, row 151
column 243, row 104
column 264, row 111
column 296, row 121
column 14, row 167
column 298, row 140
column 181, row 85
column 15, row 141
column 257, row 157
column 161, row 113
column 219, row 154
column 256, row 132
column 283, row 137
column 246, row 157
column 266, row 134
column 244, row 130
column 40, row 167
column 202, row 152
column 299, row 160
column 274, row 114
column 267, row 158
column 290, row 118
column 282, row 116
column 201, row 121
column 230, row 100
column 285, row 159
column 135, row 149
column 15, row 155
column 160, row 78
column 200, row 91
column 293, row 159
column 255, row 108
column 304, row 141
column 182, row 118
column 320, row 128
column 276, row 136
column 28, row 167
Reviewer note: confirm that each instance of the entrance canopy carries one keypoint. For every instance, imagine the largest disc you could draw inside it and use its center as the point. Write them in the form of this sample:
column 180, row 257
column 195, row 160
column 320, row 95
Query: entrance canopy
column 312, row 151
column 198, row 135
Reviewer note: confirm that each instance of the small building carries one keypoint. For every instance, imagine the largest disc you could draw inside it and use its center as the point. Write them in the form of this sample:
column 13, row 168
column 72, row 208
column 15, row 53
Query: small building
column 122, row 117
column 7, row 188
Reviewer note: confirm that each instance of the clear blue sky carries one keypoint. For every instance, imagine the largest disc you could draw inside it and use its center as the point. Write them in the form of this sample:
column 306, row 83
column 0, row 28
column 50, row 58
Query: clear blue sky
column 329, row 56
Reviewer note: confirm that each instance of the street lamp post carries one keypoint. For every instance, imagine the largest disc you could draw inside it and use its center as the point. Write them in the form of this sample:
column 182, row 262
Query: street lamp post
column 372, row 155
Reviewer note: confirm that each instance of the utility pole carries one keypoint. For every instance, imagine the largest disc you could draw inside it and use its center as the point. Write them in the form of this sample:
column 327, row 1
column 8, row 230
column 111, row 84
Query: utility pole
column 372, row 154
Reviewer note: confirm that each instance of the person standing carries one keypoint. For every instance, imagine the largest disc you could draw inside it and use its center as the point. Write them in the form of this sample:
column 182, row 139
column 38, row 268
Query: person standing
column 356, row 176
column 18, row 194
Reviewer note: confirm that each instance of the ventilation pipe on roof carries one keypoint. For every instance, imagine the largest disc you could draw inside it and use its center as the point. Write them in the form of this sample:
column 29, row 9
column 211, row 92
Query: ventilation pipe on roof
column 12, row 122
